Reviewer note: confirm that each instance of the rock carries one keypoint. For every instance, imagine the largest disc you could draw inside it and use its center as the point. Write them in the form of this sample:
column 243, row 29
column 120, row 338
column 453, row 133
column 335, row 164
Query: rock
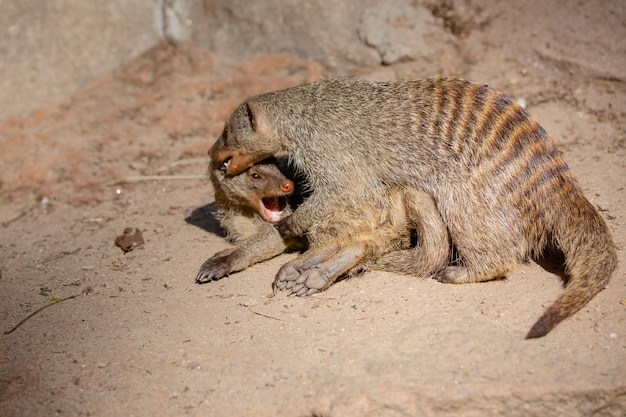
column 129, row 240
column 400, row 31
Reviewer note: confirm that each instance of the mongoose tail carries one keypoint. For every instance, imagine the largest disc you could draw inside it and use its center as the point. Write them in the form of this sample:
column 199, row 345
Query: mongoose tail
column 565, row 305
column 589, row 259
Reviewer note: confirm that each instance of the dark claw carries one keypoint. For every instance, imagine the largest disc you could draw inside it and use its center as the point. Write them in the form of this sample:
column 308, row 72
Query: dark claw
column 203, row 276
column 278, row 285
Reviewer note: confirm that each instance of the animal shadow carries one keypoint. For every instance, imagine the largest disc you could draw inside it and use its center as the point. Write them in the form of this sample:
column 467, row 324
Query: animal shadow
column 204, row 218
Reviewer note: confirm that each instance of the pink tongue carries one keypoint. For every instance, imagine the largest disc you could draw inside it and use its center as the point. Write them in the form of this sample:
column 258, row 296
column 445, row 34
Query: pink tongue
column 271, row 209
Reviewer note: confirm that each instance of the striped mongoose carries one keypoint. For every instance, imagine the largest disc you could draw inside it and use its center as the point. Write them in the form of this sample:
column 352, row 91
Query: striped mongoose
column 503, row 190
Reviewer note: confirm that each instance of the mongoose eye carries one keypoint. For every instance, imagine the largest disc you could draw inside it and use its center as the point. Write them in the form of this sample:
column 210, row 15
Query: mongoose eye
column 255, row 176
column 225, row 137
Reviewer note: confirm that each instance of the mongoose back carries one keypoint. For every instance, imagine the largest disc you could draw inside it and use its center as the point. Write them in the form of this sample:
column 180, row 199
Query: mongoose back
column 248, row 204
column 498, row 180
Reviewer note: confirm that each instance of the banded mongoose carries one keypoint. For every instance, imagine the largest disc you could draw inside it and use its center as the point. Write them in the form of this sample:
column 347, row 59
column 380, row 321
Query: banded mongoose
column 505, row 193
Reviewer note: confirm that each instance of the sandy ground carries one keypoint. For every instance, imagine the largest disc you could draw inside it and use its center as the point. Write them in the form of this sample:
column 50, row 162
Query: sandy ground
column 141, row 338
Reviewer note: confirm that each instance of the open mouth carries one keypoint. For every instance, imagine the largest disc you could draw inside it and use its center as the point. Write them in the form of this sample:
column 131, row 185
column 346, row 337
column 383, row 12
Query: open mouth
column 272, row 208
column 225, row 165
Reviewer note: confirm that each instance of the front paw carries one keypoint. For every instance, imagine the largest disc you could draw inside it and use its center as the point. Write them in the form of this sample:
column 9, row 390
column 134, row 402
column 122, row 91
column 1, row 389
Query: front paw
column 216, row 267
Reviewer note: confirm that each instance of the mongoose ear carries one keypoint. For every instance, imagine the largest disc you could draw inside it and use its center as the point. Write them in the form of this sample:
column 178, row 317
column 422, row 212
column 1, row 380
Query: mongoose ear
column 257, row 117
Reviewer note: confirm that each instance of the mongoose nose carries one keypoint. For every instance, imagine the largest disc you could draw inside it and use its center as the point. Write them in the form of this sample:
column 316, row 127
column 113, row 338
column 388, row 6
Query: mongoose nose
column 286, row 186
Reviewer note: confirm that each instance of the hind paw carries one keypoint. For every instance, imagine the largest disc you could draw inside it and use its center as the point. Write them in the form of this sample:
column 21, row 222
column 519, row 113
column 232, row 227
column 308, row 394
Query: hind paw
column 318, row 269
column 299, row 282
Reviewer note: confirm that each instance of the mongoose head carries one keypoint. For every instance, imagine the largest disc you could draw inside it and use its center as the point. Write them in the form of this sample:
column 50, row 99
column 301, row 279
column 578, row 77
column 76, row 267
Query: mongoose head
column 271, row 199
column 247, row 138
column 263, row 187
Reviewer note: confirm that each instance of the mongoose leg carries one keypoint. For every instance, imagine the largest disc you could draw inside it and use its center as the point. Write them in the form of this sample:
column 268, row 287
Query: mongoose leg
column 312, row 277
column 463, row 275
column 434, row 250
column 291, row 272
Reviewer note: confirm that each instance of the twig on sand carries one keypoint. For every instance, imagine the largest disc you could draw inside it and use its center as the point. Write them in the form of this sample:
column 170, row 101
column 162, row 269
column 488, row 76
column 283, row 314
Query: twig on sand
column 259, row 314
column 140, row 178
column 181, row 162
column 37, row 311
